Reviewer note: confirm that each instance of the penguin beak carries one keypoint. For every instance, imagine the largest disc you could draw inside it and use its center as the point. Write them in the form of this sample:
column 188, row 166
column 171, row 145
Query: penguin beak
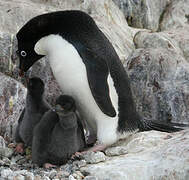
column 59, row 108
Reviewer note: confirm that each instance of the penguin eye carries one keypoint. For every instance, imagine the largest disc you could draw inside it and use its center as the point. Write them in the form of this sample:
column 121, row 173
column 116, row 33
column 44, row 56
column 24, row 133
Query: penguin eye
column 23, row 53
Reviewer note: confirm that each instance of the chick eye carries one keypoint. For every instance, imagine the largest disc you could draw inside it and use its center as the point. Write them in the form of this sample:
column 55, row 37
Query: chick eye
column 23, row 53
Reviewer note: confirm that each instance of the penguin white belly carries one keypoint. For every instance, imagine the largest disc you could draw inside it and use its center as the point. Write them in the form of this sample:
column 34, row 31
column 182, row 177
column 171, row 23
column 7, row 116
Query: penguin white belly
column 70, row 73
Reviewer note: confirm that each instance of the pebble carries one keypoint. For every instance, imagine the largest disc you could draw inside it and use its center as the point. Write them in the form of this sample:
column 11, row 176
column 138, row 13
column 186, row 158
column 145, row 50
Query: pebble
column 2, row 142
column 71, row 177
column 45, row 178
column 29, row 176
column 90, row 178
column 6, row 152
column 52, row 174
column 6, row 172
column 94, row 157
column 19, row 177
column 79, row 164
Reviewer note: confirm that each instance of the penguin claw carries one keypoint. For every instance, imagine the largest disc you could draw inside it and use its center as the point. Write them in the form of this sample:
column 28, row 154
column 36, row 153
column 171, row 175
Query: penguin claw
column 48, row 165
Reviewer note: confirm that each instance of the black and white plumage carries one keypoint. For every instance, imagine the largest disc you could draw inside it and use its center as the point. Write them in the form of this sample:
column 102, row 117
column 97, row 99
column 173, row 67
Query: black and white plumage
column 86, row 67
column 34, row 109
column 58, row 135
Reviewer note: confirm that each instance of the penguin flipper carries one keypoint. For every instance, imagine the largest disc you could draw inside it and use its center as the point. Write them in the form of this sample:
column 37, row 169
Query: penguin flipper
column 97, row 73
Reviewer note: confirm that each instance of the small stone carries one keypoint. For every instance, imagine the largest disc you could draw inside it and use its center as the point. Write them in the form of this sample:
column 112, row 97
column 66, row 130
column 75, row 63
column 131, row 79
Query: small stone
column 71, row 177
column 67, row 168
column 94, row 157
column 52, row 174
column 29, row 176
column 63, row 174
column 78, row 175
column 5, row 173
column 116, row 151
column 2, row 162
column 2, row 142
column 37, row 177
column 6, row 152
column 45, row 178
column 7, row 161
column 18, row 177
column 79, row 164
column 90, row 178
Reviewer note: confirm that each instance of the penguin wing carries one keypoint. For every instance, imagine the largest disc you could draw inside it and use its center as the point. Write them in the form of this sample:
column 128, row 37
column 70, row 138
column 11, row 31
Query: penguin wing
column 97, row 73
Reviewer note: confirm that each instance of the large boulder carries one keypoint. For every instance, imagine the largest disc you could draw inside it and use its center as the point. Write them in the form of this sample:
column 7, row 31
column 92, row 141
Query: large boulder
column 174, row 39
column 12, row 100
column 160, row 84
column 147, row 155
column 176, row 15
column 143, row 14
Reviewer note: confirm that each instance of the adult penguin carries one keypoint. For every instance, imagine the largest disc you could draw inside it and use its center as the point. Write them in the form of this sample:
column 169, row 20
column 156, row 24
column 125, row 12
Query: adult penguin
column 34, row 109
column 58, row 135
column 86, row 67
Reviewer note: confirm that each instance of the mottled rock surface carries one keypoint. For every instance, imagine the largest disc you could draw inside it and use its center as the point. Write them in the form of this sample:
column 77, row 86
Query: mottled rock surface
column 145, row 14
column 12, row 100
column 152, row 155
column 160, row 84
column 176, row 15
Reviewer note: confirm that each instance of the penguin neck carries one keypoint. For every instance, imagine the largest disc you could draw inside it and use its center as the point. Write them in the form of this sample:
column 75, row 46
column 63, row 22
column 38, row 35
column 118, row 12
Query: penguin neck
column 33, row 98
column 49, row 43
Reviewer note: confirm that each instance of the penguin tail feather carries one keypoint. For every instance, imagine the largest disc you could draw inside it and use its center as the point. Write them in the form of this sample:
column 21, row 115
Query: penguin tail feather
column 147, row 125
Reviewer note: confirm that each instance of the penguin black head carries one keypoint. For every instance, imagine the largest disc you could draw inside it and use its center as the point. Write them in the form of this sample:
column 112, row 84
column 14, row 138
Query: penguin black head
column 35, row 86
column 65, row 103
column 64, row 23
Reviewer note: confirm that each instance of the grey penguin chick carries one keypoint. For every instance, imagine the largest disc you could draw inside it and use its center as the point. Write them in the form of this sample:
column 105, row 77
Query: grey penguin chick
column 34, row 109
column 58, row 135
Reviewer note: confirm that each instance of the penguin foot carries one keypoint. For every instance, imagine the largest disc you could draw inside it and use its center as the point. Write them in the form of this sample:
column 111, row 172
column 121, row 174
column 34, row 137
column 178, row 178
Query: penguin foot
column 48, row 165
column 19, row 148
column 98, row 147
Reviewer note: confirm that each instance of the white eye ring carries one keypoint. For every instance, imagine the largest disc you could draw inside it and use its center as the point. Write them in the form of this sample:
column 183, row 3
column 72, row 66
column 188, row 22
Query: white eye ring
column 23, row 53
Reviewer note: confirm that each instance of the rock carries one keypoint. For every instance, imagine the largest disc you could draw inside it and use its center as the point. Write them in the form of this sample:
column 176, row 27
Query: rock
column 161, row 156
column 71, row 177
column 175, row 15
column 176, row 40
column 5, row 173
column 143, row 14
column 116, row 151
column 29, row 176
column 6, row 152
column 94, row 157
column 12, row 100
column 90, row 178
column 2, row 142
column 80, row 163
column 45, row 178
column 78, row 175
column 19, row 177
column 160, row 84
column 52, row 174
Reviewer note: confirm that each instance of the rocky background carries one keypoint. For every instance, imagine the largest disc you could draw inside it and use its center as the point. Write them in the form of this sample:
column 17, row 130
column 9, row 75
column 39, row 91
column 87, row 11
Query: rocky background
column 151, row 38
